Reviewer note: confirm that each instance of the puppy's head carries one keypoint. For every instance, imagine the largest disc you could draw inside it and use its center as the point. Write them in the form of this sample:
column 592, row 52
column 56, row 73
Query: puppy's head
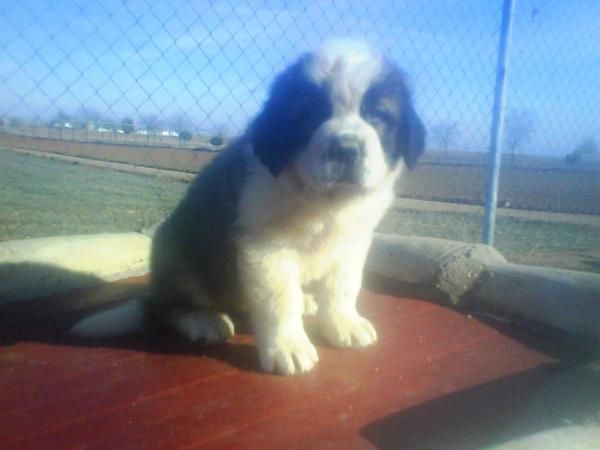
column 339, row 118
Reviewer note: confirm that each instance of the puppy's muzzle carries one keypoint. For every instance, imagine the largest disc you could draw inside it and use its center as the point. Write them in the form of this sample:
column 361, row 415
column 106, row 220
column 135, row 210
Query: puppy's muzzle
column 345, row 149
column 344, row 158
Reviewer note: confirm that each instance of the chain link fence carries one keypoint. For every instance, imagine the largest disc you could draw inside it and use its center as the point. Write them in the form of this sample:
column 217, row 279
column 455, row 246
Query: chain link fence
column 164, row 84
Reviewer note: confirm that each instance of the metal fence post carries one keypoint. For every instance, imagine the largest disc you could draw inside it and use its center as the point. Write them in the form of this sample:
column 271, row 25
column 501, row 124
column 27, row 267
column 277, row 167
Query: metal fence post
column 491, row 191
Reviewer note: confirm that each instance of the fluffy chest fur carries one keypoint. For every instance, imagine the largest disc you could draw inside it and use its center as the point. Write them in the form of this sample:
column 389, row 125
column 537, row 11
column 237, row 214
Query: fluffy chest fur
column 316, row 232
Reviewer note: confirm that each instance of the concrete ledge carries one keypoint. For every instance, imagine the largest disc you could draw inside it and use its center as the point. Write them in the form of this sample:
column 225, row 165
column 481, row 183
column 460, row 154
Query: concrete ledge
column 477, row 277
column 38, row 267
column 444, row 269
column 564, row 299
column 454, row 273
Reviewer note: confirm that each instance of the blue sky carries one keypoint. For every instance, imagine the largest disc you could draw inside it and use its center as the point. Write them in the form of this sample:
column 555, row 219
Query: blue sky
column 211, row 62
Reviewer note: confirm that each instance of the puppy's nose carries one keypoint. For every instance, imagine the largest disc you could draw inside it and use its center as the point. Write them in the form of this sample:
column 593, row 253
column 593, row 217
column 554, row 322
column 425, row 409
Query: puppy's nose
column 345, row 149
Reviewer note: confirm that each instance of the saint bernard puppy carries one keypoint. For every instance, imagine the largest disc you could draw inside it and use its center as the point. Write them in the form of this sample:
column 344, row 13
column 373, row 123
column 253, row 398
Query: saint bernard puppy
column 279, row 224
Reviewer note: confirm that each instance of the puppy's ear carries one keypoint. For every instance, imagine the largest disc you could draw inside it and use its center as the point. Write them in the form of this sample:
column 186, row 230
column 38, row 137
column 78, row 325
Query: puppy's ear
column 399, row 127
column 295, row 108
column 410, row 139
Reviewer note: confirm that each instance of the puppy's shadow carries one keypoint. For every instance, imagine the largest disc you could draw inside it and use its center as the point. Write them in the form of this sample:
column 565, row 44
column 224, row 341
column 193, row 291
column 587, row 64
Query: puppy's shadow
column 49, row 320
column 239, row 352
column 241, row 355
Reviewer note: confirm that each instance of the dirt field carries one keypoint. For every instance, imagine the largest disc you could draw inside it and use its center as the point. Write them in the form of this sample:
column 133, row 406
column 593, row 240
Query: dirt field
column 556, row 190
column 532, row 184
column 186, row 160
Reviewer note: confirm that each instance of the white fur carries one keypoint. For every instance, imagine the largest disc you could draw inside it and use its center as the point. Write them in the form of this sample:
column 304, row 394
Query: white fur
column 292, row 233
column 351, row 65
column 290, row 239
column 119, row 321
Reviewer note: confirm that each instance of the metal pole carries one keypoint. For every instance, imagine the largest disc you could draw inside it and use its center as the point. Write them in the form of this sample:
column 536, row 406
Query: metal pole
column 491, row 190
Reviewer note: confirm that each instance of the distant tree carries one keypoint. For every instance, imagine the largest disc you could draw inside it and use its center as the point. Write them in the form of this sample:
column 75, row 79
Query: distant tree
column 182, row 125
column 127, row 125
column 586, row 148
column 217, row 141
column 445, row 133
column 185, row 135
column 518, row 129
column 1, row 122
column 571, row 158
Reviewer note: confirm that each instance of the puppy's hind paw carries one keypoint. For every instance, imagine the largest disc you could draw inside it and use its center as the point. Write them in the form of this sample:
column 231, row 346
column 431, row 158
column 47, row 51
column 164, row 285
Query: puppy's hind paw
column 209, row 327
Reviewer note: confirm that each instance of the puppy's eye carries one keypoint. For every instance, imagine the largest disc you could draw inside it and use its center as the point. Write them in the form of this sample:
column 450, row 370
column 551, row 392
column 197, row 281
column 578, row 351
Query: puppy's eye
column 377, row 115
column 382, row 116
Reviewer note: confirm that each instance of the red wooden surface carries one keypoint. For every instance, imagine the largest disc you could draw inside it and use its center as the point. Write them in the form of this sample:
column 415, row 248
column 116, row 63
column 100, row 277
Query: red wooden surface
column 435, row 379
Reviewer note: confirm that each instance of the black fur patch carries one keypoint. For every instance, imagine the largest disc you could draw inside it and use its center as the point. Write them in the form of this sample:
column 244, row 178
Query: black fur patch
column 295, row 109
column 194, row 257
column 387, row 106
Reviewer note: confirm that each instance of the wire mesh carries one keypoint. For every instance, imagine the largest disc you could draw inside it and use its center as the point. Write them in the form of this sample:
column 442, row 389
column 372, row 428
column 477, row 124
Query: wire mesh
column 162, row 84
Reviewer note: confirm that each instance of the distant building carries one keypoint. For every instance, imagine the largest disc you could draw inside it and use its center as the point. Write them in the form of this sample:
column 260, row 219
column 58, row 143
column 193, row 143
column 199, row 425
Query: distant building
column 166, row 133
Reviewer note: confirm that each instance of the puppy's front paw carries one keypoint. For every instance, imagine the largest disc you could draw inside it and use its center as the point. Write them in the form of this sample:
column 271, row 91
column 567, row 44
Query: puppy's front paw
column 348, row 330
column 288, row 354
